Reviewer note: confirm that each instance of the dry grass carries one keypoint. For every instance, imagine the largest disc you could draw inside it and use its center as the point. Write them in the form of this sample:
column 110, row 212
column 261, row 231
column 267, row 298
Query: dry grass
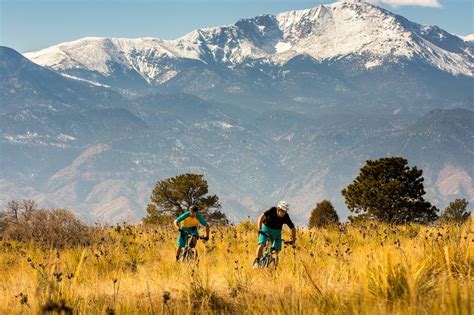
column 372, row 269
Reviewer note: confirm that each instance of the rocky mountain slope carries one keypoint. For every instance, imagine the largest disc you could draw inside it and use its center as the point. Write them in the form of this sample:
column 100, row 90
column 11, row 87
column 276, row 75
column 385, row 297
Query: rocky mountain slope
column 279, row 106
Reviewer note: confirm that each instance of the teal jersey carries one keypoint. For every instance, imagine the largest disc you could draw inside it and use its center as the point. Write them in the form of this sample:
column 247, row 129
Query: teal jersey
column 185, row 220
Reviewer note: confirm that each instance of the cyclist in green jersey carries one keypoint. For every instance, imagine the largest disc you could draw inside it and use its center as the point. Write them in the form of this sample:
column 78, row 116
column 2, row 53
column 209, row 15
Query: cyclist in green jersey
column 189, row 222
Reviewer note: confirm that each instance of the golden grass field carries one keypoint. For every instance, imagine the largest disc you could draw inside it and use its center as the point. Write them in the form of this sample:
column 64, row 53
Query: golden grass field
column 372, row 269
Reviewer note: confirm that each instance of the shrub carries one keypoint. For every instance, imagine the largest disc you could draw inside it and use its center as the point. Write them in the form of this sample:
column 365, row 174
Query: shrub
column 56, row 228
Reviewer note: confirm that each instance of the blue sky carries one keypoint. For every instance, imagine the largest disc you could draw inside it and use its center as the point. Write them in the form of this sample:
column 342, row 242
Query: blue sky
column 27, row 25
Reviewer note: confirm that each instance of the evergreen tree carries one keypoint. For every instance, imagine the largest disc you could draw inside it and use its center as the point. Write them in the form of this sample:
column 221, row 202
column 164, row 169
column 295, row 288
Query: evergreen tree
column 456, row 212
column 173, row 196
column 389, row 191
column 323, row 214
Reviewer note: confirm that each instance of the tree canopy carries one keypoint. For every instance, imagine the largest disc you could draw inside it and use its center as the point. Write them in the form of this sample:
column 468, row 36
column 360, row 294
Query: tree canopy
column 323, row 214
column 456, row 212
column 173, row 196
column 390, row 191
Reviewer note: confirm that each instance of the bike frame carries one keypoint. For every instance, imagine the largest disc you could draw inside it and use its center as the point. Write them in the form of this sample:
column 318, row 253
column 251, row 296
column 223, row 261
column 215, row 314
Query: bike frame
column 189, row 253
column 270, row 254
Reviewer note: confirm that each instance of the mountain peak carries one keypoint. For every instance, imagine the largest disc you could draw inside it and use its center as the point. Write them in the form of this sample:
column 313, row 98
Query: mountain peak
column 347, row 29
column 344, row 28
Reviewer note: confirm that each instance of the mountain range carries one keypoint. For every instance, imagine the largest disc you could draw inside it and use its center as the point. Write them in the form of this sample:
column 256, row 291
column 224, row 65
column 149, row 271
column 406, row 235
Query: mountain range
column 278, row 106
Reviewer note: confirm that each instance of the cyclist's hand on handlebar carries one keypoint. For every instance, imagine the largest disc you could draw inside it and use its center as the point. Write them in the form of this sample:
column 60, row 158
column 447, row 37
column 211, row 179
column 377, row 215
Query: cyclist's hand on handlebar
column 205, row 238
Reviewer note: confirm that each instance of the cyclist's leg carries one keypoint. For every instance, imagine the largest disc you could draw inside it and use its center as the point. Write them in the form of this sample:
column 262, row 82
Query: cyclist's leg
column 275, row 236
column 192, row 246
column 276, row 245
column 182, row 240
column 275, row 258
column 262, row 241
column 193, row 241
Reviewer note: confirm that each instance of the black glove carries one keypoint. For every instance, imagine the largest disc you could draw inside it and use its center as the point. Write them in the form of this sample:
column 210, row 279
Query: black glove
column 205, row 238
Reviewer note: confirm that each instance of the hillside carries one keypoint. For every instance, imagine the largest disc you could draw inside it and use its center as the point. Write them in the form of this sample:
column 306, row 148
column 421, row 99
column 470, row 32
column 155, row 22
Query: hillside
column 285, row 106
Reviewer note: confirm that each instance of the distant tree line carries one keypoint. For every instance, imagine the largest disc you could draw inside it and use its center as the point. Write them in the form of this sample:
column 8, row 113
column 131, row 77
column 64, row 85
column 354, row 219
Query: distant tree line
column 389, row 191
column 386, row 190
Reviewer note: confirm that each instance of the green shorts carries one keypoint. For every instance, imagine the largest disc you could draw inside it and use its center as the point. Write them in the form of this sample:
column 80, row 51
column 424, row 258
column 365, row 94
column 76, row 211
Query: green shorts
column 183, row 238
column 275, row 237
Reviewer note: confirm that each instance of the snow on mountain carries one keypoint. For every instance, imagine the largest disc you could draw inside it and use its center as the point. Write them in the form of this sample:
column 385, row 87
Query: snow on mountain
column 468, row 38
column 354, row 28
column 326, row 32
column 96, row 54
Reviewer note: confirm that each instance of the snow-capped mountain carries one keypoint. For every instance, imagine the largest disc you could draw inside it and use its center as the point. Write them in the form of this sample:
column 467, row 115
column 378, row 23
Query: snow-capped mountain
column 280, row 106
column 68, row 143
column 340, row 30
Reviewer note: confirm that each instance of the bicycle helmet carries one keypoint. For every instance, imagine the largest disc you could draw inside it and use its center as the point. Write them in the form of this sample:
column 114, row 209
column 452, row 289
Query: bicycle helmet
column 283, row 205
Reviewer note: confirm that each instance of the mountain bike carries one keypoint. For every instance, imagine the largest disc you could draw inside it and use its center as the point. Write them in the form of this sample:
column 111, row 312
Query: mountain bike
column 189, row 253
column 270, row 254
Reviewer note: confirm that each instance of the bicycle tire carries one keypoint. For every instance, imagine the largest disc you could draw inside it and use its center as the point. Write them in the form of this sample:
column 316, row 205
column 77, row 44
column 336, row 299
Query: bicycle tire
column 275, row 261
column 189, row 255
column 192, row 255
column 183, row 254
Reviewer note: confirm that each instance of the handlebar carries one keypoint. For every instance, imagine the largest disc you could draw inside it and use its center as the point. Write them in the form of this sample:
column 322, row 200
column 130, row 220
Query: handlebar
column 191, row 234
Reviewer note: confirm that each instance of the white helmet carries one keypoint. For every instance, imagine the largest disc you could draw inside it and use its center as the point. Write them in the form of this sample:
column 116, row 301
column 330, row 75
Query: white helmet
column 283, row 205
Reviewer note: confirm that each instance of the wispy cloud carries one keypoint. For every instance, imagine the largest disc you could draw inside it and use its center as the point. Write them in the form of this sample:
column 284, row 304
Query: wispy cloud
column 420, row 3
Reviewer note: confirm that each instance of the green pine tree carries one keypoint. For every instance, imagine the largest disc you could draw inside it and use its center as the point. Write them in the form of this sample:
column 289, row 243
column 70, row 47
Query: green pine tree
column 390, row 191
column 173, row 196
column 323, row 214
column 456, row 212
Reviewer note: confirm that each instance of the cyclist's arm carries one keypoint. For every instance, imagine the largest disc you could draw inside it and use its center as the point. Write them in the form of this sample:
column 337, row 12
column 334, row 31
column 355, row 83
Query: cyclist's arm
column 291, row 225
column 203, row 223
column 180, row 218
column 260, row 220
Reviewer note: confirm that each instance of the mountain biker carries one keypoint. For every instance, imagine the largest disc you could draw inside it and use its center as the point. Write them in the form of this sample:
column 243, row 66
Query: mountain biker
column 271, row 223
column 189, row 222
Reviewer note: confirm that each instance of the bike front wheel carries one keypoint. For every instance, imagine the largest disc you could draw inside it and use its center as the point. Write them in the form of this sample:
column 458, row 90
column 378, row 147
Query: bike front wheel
column 275, row 261
column 191, row 255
